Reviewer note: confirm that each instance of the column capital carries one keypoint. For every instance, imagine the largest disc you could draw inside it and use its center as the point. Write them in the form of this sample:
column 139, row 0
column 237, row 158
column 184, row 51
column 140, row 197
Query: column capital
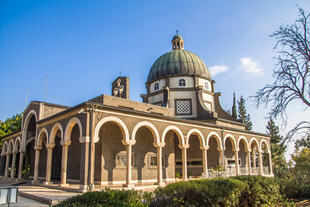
column 159, row 144
column 236, row 150
column 65, row 142
column 185, row 146
column 204, row 147
column 22, row 151
column 50, row 146
column 8, row 153
column 37, row 147
column 128, row 142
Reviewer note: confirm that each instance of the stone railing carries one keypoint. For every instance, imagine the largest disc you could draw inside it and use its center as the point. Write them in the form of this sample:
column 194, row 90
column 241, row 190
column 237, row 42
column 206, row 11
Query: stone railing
column 243, row 170
column 266, row 171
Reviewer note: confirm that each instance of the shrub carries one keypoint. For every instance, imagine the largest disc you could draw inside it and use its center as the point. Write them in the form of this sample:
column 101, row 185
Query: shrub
column 260, row 191
column 293, row 189
column 108, row 197
column 212, row 192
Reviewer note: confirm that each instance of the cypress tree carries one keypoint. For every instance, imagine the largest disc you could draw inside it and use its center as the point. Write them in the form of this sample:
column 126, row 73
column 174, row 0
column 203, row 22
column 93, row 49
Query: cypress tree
column 243, row 115
column 234, row 108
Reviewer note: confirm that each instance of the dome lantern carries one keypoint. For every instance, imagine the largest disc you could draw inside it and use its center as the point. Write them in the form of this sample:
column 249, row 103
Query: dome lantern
column 177, row 42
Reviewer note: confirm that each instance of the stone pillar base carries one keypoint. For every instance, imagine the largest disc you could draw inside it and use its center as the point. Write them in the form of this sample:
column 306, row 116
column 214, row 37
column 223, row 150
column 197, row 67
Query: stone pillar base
column 129, row 186
column 47, row 182
column 33, row 182
column 64, row 185
column 83, row 187
column 161, row 184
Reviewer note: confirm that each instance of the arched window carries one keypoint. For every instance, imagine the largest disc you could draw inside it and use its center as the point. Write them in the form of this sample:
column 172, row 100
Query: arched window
column 182, row 82
column 156, row 86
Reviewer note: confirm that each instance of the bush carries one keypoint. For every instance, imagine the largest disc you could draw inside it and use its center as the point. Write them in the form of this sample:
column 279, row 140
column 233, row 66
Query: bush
column 293, row 189
column 108, row 197
column 260, row 191
column 212, row 192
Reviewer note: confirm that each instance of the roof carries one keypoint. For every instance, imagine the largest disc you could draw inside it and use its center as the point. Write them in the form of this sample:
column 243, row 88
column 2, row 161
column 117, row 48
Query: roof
column 177, row 63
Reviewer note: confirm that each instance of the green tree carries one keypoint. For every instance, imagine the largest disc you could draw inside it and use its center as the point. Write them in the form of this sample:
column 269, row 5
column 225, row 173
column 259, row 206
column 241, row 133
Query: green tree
column 243, row 115
column 234, row 108
column 10, row 125
column 278, row 149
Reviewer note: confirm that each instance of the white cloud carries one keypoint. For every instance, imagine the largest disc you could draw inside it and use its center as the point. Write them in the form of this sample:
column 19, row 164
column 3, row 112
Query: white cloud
column 218, row 69
column 251, row 66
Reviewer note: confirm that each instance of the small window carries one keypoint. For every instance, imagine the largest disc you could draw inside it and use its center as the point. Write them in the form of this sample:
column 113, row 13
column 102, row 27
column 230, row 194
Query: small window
column 156, row 86
column 182, row 82
column 152, row 157
column 207, row 85
column 183, row 106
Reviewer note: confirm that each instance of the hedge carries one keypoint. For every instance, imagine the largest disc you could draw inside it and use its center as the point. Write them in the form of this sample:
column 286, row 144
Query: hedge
column 237, row 191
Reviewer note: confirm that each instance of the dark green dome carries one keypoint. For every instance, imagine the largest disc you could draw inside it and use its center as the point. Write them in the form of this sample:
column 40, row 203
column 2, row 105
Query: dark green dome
column 178, row 63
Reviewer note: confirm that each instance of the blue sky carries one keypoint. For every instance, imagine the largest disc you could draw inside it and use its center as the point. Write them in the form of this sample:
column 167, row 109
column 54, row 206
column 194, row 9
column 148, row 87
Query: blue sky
column 84, row 45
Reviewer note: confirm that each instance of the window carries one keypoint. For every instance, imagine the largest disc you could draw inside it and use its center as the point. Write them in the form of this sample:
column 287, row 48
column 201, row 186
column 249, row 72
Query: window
column 206, row 85
column 182, row 82
column 152, row 160
column 121, row 160
column 183, row 106
column 156, row 86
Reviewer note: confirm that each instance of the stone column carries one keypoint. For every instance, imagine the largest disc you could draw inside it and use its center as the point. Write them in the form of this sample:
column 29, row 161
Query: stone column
column 237, row 161
column 270, row 163
column 184, row 161
column 84, row 162
column 65, row 144
column 159, row 148
column 49, row 148
column 248, row 162
column 13, row 165
column 7, row 161
column 204, row 160
column 21, row 162
column 254, row 160
column 222, row 158
column 128, row 144
column 260, row 163
column 36, row 163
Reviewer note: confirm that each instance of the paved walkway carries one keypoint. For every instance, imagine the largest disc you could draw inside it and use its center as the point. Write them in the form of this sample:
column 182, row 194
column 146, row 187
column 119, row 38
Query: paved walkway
column 26, row 202
column 45, row 195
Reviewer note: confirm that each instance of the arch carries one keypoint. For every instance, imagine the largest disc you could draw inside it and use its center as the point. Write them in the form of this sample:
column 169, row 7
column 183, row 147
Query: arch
column 25, row 125
column 10, row 147
column 261, row 145
column 242, row 138
column 115, row 120
column 175, row 130
column 198, row 134
column 4, row 148
column 54, row 130
column 70, row 126
column 39, row 140
column 217, row 137
column 148, row 125
column 233, row 141
column 253, row 139
column 17, row 142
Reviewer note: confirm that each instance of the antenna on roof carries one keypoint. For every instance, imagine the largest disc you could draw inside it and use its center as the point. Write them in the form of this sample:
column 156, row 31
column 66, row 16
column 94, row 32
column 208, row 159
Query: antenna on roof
column 45, row 89
column 26, row 98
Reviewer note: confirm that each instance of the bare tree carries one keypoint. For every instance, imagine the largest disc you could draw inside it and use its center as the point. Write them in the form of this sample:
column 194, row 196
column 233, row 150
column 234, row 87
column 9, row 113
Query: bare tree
column 291, row 73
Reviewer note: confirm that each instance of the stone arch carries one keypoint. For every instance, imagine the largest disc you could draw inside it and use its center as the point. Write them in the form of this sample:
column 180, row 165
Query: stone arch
column 69, row 127
column 4, row 148
column 10, row 146
column 39, row 140
column 267, row 146
column 175, row 130
column 217, row 138
column 116, row 121
column 25, row 126
column 17, row 143
column 148, row 125
column 232, row 139
column 54, row 130
column 245, row 141
column 256, row 142
column 198, row 134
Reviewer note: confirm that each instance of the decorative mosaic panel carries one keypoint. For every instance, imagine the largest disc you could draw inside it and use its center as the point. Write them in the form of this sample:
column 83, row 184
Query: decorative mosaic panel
column 121, row 160
column 183, row 106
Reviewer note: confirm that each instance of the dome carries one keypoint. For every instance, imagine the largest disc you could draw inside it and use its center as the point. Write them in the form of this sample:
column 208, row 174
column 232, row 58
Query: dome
column 178, row 62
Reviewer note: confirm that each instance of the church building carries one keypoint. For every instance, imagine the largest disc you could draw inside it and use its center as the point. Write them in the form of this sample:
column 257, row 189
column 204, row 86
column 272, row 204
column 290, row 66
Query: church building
column 178, row 132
